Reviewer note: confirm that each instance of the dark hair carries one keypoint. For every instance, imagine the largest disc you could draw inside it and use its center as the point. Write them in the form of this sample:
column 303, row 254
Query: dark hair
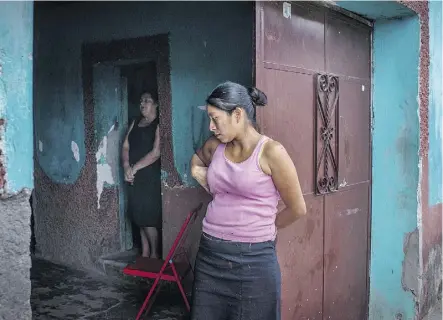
column 229, row 95
column 153, row 96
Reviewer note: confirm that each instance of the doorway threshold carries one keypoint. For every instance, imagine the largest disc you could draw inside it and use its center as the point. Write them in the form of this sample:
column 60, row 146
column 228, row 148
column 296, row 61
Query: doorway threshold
column 112, row 265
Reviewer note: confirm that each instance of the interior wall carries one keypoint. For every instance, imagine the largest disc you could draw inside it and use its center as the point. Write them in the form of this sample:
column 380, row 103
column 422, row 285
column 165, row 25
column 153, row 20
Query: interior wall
column 201, row 38
column 394, row 254
column 201, row 56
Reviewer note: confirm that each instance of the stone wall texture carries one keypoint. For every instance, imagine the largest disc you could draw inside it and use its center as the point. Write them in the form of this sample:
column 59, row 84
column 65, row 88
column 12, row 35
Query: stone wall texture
column 15, row 260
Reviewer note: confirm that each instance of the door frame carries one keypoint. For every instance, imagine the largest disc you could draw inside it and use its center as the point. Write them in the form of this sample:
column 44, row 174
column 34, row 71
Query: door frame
column 114, row 52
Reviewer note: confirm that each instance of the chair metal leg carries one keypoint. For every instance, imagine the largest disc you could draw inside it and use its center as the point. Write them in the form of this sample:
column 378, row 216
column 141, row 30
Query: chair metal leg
column 180, row 287
column 151, row 292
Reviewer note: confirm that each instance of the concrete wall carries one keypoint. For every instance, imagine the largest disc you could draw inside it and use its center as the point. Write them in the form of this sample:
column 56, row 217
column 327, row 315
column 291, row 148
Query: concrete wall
column 202, row 35
column 16, row 96
column 15, row 158
column 435, row 104
column 432, row 195
column 400, row 144
column 394, row 245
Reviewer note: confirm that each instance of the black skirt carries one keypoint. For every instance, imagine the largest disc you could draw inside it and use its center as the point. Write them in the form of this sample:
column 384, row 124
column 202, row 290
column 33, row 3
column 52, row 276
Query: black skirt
column 144, row 195
column 236, row 281
column 144, row 198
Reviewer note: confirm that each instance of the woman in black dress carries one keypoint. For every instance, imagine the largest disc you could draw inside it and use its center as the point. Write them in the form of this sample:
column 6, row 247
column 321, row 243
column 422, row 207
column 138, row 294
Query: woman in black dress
column 141, row 162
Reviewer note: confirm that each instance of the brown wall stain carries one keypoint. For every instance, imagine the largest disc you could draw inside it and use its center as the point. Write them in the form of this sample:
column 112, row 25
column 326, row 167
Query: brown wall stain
column 422, row 10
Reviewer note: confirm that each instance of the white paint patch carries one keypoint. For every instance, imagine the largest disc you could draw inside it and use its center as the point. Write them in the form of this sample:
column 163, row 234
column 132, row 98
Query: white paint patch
column 344, row 183
column 349, row 212
column 104, row 172
column 362, row 88
column 287, row 13
column 75, row 151
column 112, row 129
column 40, row 146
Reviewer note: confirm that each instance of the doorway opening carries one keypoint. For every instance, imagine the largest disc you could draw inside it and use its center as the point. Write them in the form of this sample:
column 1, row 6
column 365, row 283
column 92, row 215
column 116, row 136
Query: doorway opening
column 116, row 78
column 140, row 78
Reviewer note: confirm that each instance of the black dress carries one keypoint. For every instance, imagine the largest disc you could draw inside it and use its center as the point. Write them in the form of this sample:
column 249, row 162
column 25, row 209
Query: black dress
column 144, row 195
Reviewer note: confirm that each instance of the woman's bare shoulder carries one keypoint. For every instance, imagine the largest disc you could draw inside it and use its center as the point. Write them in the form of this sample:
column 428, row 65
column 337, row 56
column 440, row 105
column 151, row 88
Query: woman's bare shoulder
column 211, row 144
column 272, row 147
column 273, row 153
column 206, row 152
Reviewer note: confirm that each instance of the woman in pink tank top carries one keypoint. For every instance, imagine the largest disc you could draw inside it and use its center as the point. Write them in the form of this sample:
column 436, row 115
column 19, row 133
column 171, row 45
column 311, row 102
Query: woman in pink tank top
column 237, row 275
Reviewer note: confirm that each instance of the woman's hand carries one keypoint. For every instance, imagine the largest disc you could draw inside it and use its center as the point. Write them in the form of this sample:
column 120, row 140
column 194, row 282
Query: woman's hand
column 200, row 173
column 151, row 157
column 129, row 174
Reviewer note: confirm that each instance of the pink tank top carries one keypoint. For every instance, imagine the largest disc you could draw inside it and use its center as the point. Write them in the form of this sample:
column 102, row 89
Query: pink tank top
column 244, row 204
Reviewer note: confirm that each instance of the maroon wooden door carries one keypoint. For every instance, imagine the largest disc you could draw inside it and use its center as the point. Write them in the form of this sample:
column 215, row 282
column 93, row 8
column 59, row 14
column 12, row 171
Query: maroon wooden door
column 314, row 64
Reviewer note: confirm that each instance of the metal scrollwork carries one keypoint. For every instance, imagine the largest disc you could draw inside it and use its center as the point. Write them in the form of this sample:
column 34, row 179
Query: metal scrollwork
column 326, row 129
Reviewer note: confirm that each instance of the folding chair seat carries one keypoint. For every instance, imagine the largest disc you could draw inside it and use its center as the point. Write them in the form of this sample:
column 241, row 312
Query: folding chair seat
column 170, row 269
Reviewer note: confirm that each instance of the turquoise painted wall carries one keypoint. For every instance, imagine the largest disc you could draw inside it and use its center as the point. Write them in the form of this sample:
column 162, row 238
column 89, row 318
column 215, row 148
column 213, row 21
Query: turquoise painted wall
column 210, row 43
column 16, row 33
column 395, row 162
column 396, row 45
column 435, row 103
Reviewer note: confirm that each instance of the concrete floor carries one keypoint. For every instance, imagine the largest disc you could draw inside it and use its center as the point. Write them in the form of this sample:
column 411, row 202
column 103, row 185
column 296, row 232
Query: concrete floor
column 61, row 293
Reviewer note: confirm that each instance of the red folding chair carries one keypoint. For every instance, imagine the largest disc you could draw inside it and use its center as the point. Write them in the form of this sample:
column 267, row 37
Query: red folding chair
column 170, row 269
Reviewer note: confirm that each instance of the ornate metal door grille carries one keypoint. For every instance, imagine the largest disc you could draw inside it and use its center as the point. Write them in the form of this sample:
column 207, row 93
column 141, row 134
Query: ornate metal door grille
column 326, row 131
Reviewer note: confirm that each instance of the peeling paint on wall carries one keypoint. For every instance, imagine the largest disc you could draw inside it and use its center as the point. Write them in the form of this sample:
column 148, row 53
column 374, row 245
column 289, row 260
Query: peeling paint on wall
column 2, row 134
column 107, row 169
column 432, row 280
column 411, row 263
column 75, row 151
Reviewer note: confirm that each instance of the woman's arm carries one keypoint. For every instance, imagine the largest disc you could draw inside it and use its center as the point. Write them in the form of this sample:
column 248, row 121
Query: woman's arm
column 279, row 165
column 200, row 162
column 151, row 156
column 125, row 156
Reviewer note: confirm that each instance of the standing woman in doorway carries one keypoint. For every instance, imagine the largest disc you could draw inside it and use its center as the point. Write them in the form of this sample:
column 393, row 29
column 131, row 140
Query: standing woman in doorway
column 237, row 275
column 141, row 162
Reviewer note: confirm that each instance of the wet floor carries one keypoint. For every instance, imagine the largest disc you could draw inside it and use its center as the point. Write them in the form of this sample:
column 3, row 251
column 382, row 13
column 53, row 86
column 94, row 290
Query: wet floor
column 62, row 293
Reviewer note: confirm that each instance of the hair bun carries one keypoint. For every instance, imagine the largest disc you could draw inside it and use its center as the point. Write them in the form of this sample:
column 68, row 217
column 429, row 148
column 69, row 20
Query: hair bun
column 258, row 97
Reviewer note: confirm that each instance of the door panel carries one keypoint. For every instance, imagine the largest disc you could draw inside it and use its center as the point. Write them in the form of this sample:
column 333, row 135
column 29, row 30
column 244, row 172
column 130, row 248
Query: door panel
column 110, row 122
column 298, row 41
column 300, row 254
column 345, row 273
column 348, row 46
column 354, row 131
column 290, row 95
column 323, row 256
